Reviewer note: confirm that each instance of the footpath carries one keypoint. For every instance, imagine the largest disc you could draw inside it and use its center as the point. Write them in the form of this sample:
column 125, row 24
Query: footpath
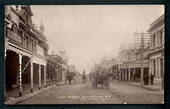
column 26, row 96
column 155, row 87
column 148, row 87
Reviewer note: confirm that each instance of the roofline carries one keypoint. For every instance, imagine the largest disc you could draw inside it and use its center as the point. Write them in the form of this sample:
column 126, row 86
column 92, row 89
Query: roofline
column 157, row 20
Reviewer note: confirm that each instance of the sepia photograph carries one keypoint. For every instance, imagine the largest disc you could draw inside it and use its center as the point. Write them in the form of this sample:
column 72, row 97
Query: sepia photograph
column 84, row 54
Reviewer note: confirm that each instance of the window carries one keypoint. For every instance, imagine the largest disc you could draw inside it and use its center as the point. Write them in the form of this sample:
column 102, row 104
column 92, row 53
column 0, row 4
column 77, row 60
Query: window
column 161, row 66
column 14, row 28
column 161, row 37
column 21, row 34
column 24, row 44
column 158, row 67
column 154, row 41
column 158, row 38
column 26, row 41
column 154, row 67
column 29, row 43
column 151, row 44
column 36, row 44
column 33, row 45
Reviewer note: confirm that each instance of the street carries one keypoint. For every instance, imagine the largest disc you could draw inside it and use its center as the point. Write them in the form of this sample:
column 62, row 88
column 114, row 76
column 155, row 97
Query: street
column 50, row 51
column 79, row 93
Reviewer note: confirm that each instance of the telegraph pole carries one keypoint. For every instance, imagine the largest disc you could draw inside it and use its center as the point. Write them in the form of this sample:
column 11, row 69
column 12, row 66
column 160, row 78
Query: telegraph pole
column 142, row 57
column 142, row 50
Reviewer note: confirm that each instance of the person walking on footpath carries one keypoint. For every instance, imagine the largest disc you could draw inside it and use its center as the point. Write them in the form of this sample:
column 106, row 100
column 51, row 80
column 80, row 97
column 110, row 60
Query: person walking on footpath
column 146, row 78
column 152, row 78
column 84, row 77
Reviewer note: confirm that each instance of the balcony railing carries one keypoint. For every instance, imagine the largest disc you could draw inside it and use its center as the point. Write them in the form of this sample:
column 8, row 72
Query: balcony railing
column 12, row 35
column 18, row 40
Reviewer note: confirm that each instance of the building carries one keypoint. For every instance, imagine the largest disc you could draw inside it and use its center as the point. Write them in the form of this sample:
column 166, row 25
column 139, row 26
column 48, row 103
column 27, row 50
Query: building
column 65, row 65
column 133, row 59
column 25, row 51
column 95, row 68
column 156, row 54
column 54, row 69
column 57, row 67
column 115, row 68
column 106, row 62
column 72, row 69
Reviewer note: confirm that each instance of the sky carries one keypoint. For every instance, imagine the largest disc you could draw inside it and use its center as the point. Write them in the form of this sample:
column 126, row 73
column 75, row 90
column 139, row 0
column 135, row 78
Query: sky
column 87, row 33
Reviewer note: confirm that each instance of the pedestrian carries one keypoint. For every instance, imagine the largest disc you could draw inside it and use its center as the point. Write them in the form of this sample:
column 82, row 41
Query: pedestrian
column 144, row 79
column 84, row 77
column 147, row 78
column 66, row 79
column 152, row 78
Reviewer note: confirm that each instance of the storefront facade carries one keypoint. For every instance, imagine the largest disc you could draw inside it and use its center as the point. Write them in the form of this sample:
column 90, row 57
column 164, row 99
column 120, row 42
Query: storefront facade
column 131, row 64
column 25, row 51
column 156, row 55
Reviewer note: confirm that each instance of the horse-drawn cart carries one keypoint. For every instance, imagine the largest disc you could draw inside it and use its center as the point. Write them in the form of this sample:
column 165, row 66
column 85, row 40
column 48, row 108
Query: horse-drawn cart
column 101, row 79
column 70, row 74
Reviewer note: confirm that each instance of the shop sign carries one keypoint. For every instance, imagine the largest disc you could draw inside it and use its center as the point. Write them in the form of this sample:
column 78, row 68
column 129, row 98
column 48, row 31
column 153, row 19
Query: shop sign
column 14, row 36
